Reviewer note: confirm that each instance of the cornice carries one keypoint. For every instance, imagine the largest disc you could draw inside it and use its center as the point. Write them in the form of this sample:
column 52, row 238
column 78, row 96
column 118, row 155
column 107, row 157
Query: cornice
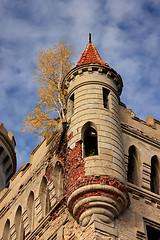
column 54, row 135
column 38, row 146
column 79, row 70
column 140, row 135
column 143, row 193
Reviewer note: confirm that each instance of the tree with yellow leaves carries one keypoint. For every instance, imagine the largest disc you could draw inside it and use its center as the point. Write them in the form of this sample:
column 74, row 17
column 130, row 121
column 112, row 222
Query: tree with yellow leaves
column 53, row 65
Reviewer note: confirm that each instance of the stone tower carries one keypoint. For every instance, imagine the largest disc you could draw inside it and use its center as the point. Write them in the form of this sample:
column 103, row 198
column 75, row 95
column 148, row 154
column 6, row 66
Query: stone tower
column 96, row 175
column 7, row 156
column 102, row 151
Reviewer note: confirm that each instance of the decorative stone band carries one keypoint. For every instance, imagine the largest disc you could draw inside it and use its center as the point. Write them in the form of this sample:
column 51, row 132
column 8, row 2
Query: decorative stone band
column 74, row 181
column 104, row 201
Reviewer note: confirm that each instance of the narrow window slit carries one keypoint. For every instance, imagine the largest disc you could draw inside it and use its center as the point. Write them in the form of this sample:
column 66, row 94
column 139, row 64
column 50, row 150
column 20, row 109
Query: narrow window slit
column 72, row 103
column 105, row 98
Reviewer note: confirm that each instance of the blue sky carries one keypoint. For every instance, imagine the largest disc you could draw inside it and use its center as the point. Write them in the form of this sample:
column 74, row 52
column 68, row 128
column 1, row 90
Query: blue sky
column 126, row 33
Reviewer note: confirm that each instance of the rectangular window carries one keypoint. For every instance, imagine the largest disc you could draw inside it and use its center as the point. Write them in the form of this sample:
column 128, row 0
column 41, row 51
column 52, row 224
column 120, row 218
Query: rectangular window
column 105, row 98
column 152, row 233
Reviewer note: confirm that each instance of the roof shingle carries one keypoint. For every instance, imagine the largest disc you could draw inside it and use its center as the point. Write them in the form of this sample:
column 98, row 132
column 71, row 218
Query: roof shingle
column 90, row 55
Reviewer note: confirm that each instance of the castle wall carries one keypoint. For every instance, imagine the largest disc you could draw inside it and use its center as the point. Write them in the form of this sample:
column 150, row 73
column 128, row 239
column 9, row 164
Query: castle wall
column 96, row 178
column 130, row 225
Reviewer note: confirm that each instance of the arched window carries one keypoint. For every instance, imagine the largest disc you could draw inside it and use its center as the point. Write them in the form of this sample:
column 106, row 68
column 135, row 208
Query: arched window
column 59, row 179
column 19, row 224
column 44, row 197
column 154, row 179
column 31, row 211
column 6, row 231
column 89, row 136
column 133, row 168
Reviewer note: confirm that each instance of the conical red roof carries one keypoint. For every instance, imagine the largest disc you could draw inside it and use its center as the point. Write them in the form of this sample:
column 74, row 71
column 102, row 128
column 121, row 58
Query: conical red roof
column 90, row 55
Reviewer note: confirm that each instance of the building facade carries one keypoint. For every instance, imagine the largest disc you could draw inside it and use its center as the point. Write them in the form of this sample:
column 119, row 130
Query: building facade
column 97, row 177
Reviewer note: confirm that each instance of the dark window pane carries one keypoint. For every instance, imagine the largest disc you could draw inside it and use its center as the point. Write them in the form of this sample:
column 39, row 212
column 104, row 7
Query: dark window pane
column 152, row 233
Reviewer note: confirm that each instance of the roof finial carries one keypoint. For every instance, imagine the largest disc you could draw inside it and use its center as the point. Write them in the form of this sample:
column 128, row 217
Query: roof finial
column 90, row 37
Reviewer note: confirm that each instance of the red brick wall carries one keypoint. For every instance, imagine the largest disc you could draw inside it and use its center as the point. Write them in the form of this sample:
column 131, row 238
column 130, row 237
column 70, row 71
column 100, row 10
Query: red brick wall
column 75, row 177
column 49, row 172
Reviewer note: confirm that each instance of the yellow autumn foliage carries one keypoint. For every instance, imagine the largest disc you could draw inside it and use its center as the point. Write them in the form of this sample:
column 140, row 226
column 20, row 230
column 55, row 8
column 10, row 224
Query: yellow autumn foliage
column 53, row 65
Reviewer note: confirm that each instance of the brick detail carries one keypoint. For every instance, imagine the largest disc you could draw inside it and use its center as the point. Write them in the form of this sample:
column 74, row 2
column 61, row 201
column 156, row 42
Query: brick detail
column 74, row 168
column 49, row 172
column 75, row 176
column 70, row 136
